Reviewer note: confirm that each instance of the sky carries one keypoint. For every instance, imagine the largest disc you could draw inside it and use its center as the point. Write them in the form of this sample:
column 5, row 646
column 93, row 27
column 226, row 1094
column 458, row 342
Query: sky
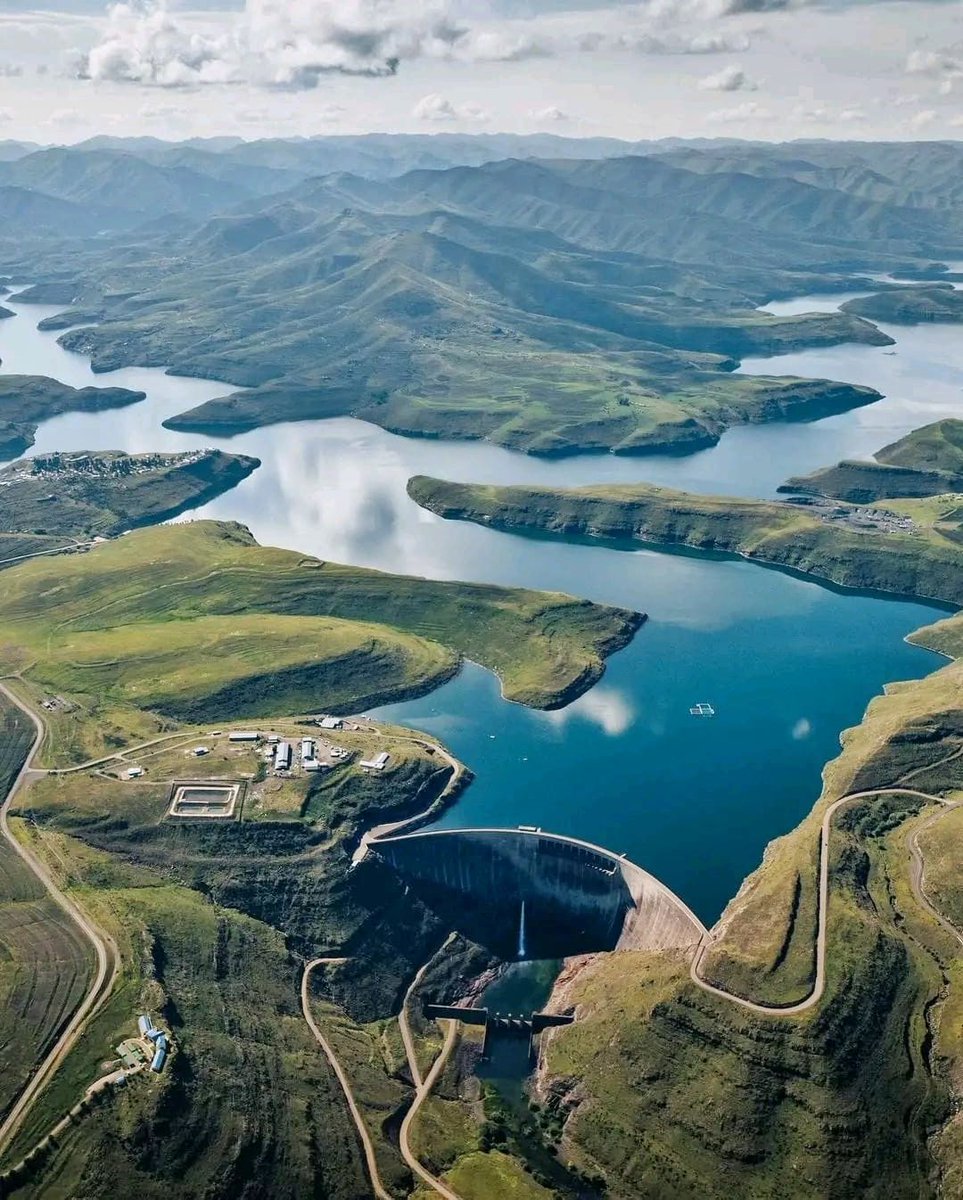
column 764, row 69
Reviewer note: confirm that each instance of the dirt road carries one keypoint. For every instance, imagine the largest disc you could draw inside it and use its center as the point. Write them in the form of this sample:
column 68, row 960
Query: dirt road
column 104, row 947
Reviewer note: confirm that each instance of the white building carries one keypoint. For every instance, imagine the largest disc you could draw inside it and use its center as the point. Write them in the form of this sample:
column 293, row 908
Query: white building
column 376, row 764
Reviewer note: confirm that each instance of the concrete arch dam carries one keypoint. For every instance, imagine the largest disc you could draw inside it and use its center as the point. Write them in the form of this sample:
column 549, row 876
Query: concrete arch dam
column 526, row 893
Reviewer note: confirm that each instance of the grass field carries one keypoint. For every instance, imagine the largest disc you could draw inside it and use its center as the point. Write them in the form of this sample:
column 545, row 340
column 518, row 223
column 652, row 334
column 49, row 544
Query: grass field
column 246, row 1095
column 45, row 961
column 197, row 622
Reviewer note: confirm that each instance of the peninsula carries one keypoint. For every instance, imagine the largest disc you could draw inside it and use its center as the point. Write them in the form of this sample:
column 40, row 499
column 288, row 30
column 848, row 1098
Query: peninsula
column 927, row 462
column 26, row 400
column 910, row 549
column 82, row 495
column 910, row 305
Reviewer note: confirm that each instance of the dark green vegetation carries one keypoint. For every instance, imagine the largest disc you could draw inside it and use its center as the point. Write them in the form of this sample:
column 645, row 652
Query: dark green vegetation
column 45, row 962
column 551, row 306
column 913, row 553
column 198, row 622
column 83, row 495
column 927, row 462
column 910, row 305
column 673, row 1093
column 247, row 1106
column 26, row 400
column 213, row 924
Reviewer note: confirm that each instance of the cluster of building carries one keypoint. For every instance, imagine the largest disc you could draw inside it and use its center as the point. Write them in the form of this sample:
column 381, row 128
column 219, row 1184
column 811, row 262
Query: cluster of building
column 159, row 1039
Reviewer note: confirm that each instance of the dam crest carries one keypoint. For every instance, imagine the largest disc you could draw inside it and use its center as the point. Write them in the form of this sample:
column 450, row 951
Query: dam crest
column 566, row 896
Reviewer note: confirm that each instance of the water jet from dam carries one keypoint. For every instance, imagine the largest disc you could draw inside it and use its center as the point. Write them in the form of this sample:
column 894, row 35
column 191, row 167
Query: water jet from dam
column 524, row 893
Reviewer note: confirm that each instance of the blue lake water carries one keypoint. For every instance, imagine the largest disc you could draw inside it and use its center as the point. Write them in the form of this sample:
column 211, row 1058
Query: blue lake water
column 787, row 663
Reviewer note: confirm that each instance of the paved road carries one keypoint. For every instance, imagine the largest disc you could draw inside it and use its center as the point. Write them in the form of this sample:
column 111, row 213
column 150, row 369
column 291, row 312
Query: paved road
column 390, row 827
column 5, row 562
column 104, row 947
column 378, row 1188
column 819, row 985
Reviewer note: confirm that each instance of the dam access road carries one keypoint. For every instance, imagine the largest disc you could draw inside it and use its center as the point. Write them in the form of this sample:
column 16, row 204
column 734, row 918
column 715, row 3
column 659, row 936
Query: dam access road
column 108, row 958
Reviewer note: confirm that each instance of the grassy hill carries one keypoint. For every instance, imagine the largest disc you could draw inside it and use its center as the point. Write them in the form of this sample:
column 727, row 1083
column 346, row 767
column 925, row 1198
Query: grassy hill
column 83, row 495
column 910, row 305
column 927, row 462
column 551, row 305
column 232, row 628
column 673, row 1093
column 918, row 558
column 26, row 400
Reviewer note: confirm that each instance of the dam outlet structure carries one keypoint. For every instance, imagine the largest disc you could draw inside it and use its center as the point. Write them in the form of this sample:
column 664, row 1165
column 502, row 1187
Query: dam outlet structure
column 576, row 898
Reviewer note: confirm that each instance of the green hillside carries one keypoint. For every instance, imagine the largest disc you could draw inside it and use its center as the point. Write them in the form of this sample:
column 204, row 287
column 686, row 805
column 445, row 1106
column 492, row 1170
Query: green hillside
column 910, row 305
column 911, row 552
column 83, row 495
column 671, row 1092
column 231, row 628
column 553, row 306
column 927, row 462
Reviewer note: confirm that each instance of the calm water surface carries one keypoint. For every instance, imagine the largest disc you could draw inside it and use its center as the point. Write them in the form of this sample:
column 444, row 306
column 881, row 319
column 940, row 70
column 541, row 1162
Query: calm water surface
column 788, row 664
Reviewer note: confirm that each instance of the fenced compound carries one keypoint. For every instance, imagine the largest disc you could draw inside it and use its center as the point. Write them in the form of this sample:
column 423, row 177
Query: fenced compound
column 205, row 801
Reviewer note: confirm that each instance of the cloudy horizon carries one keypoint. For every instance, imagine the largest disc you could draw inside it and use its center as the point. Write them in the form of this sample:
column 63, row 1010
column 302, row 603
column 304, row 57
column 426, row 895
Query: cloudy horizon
column 761, row 69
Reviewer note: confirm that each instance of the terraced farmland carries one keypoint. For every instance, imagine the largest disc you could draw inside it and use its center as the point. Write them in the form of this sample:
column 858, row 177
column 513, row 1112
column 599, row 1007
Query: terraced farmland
column 45, row 962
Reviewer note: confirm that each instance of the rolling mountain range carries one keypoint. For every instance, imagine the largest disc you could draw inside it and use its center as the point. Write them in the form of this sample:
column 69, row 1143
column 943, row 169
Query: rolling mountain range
column 552, row 305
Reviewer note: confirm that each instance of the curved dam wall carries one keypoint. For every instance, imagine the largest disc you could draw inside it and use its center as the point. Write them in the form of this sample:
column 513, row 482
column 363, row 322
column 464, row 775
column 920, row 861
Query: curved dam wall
column 577, row 897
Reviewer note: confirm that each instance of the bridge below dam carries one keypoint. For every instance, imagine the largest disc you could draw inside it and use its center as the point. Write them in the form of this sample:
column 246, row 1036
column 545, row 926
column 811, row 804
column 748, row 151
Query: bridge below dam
column 525, row 893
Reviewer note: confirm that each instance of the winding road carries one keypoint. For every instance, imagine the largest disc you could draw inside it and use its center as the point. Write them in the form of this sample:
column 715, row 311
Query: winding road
column 378, row 1188
column 421, row 1095
column 104, row 948
column 819, row 984
column 423, row 1085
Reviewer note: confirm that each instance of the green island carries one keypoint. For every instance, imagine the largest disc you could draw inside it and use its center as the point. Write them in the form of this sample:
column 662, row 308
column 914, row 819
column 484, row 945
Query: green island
column 926, row 462
column 26, row 400
column 909, row 305
column 910, row 548
column 82, row 495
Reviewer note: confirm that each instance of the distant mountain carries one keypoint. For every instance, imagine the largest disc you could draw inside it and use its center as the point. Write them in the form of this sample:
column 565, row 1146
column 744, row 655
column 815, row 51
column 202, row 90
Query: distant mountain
column 28, row 213
column 551, row 304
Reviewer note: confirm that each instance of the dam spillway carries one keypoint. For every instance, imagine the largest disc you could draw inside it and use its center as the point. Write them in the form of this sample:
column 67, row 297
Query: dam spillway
column 577, row 897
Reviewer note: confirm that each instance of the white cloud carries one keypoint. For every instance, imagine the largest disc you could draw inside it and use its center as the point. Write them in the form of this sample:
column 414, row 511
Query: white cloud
column 6, row 114
column 293, row 43
column 922, row 119
column 548, row 116
column 750, row 111
column 436, row 107
column 729, row 79
column 607, row 707
column 282, row 43
column 801, row 730
column 929, row 62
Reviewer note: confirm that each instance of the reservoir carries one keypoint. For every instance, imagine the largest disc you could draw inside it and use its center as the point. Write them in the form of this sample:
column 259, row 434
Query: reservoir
column 786, row 663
